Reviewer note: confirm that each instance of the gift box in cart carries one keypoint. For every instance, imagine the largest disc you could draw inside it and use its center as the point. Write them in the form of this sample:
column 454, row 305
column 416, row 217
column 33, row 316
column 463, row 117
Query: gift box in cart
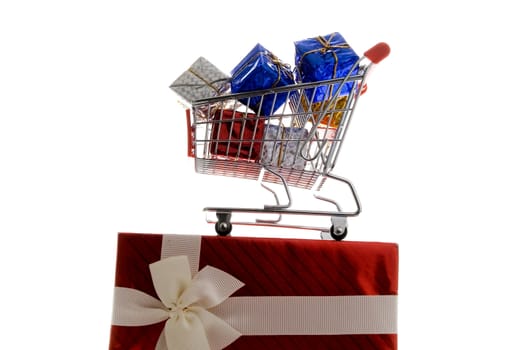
column 179, row 292
column 296, row 146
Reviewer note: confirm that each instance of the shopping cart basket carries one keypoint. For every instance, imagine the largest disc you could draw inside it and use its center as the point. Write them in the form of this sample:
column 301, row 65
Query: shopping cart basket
column 297, row 145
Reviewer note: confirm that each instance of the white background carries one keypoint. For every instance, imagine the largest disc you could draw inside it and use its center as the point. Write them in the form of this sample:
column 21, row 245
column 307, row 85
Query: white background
column 92, row 142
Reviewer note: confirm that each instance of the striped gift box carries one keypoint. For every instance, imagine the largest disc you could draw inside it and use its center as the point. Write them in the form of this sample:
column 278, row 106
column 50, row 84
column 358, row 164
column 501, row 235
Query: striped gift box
column 209, row 292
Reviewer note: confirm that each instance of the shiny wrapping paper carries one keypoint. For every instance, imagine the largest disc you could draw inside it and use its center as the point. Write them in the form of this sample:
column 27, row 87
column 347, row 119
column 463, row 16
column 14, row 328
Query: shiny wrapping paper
column 330, row 112
column 282, row 147
column 201, row 80
column 236, row 134
column 323, row 58
column 270, row 269
column 260, row 69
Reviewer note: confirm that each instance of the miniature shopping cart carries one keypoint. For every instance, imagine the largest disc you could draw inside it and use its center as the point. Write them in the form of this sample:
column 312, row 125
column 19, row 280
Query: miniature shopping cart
column 296, row 146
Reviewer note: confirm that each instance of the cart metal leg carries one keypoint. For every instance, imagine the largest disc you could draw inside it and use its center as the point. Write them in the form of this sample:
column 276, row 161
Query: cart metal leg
column 337, row 231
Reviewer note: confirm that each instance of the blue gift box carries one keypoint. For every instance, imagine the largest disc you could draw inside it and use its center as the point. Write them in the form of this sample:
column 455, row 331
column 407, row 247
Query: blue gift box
column 323, row 58
column 260, row 70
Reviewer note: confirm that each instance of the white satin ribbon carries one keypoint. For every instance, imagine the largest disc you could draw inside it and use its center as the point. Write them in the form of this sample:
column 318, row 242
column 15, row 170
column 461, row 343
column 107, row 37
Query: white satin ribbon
column 201, row 315
column 310, row 315
column 183, row 304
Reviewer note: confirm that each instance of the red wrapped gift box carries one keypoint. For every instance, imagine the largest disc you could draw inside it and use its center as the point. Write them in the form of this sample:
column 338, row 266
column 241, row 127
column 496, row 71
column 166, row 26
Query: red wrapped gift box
column 237, row 134
column 277, row 293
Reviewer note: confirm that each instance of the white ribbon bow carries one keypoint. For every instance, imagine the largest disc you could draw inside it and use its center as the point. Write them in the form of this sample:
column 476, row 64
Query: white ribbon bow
column 183, row 304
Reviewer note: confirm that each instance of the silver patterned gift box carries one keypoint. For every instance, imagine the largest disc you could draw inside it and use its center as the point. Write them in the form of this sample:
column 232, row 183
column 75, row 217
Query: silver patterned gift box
column 200, row 81
column 282, row 146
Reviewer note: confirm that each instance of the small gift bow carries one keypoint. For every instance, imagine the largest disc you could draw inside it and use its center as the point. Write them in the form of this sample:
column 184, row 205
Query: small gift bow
column 183, row 305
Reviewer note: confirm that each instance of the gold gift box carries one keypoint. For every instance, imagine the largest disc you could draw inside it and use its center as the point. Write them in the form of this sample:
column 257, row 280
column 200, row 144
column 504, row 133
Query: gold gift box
column 334, row 111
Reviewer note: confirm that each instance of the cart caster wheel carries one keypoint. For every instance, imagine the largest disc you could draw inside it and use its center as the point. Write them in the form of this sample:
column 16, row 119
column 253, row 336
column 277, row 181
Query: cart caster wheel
column 223, row 228
column 338, row 233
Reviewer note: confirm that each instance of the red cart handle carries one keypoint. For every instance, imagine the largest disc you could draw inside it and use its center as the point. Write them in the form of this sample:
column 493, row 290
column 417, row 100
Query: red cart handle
column 378, row 52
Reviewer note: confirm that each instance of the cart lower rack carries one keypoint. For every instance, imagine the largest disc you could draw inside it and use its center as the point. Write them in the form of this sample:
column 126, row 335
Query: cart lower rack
column 297, row 145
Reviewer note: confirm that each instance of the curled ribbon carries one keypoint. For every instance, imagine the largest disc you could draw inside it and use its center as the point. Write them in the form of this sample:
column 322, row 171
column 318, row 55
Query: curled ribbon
column 183, row 305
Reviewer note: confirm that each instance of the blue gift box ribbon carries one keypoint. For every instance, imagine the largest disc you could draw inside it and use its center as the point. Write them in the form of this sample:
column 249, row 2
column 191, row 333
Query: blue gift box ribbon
column 260, row 70
column 323, row 58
